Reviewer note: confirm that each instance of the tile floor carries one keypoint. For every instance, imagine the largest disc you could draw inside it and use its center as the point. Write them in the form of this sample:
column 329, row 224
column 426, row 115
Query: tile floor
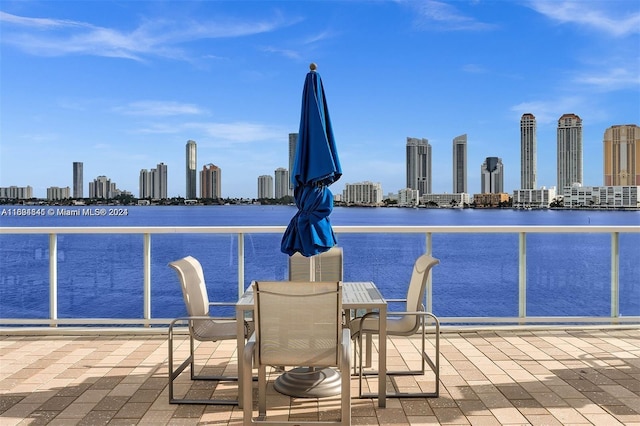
column 488, row 377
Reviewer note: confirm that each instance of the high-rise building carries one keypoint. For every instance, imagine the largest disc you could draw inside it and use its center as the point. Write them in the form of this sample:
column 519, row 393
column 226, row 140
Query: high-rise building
column 211, row 181
column 153, row 183
column 102, row 187
column 282, row 182
column 191, row 165
column 265, row 186
column 492, row 176
column 419, row 165
column 569, row 151
column 55, row 193
column 365, row 193
column 293, row 142
column 528, row 151
column 460, row 164
column 622, row 155
column 78, row 182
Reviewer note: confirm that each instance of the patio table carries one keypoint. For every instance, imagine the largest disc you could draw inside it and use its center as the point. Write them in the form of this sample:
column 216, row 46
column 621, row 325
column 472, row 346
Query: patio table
column 355, row 295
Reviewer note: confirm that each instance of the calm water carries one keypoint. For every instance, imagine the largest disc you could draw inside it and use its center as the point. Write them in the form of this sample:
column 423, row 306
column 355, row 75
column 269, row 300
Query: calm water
column 101, row 275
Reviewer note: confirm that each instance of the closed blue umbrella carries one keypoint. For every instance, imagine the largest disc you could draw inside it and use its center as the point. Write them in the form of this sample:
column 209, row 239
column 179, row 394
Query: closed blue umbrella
column 316, row 166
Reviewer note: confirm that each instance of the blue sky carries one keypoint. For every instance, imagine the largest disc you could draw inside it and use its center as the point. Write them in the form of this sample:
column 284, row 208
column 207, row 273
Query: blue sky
column 122, row 85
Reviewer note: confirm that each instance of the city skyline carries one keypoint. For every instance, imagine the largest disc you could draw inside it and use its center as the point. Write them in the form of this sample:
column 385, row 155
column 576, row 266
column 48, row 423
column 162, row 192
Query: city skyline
column 119, row 86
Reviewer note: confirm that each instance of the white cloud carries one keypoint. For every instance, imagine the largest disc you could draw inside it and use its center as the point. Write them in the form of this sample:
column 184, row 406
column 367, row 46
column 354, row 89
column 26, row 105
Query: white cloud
column 612, row 79
column 439, row 15
column 550, row 111
column 159, row 108
column 59, row 37
column 602, row 16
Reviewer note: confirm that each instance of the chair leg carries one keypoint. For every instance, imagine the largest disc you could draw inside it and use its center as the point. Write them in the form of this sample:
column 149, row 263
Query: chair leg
column 190, row 362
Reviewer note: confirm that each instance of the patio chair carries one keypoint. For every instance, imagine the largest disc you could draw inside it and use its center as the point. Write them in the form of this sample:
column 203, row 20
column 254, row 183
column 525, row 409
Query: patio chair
column 326, row 266
column 405, row 323
column 296, row 324
column 202, row 327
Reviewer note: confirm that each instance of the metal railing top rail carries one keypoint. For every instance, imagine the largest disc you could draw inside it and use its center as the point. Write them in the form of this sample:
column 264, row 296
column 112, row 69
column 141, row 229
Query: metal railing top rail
column 504, row 229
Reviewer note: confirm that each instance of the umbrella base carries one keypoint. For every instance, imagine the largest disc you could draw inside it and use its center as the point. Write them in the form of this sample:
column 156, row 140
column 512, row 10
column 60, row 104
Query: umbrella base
column 309, row 382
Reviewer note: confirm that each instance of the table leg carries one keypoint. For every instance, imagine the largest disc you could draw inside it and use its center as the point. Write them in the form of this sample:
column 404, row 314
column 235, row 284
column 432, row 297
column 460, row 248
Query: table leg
column 382, row 359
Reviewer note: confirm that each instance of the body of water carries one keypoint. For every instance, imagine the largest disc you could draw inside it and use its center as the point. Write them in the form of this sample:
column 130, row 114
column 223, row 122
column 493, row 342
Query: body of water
column 100, row 276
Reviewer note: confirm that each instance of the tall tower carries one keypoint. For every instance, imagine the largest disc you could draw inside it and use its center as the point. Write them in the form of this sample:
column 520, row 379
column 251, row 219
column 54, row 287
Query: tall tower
column 492, row 176
column 419, row 165
column 293, row 141
column 569, row 150
column 265, row 186
column 460, row 164
column 78, row 181
column 191, row 164
column 622, row 155
column 159, row 178
column 282, row 182
column 528, row 152
column 211, row 181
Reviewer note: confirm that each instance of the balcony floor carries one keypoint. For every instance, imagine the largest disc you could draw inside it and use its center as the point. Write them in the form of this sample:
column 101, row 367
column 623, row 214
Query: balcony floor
column 488, row 377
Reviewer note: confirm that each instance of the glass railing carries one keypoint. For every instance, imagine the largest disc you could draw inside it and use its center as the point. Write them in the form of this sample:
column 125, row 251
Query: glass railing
column 98, row 276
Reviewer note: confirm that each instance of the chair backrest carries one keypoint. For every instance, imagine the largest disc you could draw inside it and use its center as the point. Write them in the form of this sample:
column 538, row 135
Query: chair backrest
column 415, row 293
column 298, row 323
column 194, row 289
column 326, row 266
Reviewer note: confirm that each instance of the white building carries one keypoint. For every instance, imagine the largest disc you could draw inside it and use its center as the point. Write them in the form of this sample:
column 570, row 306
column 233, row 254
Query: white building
column 16, row 192
column 446, row 200
column 533, row 198
column 601, row 196
column 56, row 193
column 408, row 197
column 265, row 186
column 282, row 188
column 364, row 193
column 153, row 183
column 103, row 188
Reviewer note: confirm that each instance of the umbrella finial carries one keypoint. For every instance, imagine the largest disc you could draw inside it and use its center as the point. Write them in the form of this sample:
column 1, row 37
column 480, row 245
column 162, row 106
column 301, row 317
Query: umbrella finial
column 313, row 66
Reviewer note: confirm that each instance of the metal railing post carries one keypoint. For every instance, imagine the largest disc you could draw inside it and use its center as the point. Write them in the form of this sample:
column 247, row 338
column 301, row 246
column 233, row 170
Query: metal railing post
column 615, row 275
column 522, row 275
column 146, row 258
column 429, row 292
column 240, row 264
column 53, row 278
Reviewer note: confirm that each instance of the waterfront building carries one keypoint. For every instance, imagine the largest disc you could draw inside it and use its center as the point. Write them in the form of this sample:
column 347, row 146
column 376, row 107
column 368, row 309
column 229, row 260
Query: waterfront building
column 577, row 196
column 528, row 151
column 293, row 143
column 533, row 198
column 362, row 193
column 265, row 186
column 492, row 176
column 16, row 193
column 569, row 167
column 191, row 166
column 282, row 182
column 78, row 181
column 622, row 155
column 419, row 165
column 408, row 197
column 211, row 181
column 460, row 164
column 103, row 188
column 55, row 193
column 153, row 183
column 490, row 199
column 446, row 200
column 393, row 196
